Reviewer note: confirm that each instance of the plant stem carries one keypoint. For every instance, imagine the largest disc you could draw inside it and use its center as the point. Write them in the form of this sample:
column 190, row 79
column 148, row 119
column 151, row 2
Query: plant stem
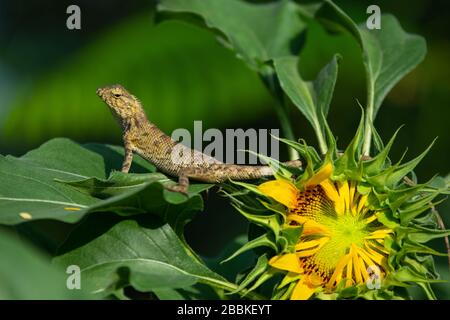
column 368, row 122
column 319, row 134
column 442, row 226
column 269, row 80
column 288, row 132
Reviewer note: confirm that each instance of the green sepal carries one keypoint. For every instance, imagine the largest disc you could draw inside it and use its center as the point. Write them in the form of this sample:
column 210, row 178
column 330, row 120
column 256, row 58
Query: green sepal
column 407, row 167
column 309, row 169
column 421, row 234
column 290, row 236
column 347, row 164
column 417, row 208
column 379, row 162
column 387, row 218
column 303, row 149
column 268, row 274
column 410, row 246
column 265, row 240
column 397, row 197
column 378, row 144
column 259, row 268
column 331, row 154
column 271, row 222
column 283, row 293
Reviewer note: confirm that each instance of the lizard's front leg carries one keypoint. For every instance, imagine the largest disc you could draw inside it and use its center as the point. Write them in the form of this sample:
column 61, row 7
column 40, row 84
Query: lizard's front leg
column 126, row 165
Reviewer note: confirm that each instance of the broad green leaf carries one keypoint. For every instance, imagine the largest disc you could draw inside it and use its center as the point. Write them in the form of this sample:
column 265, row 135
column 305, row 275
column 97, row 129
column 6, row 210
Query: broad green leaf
column 117, row 183
column 388, row 55
column 147, row 255
column 63, row 180
column 196, row 292
column 311, row 98
column 256, row 32
column 25, row 273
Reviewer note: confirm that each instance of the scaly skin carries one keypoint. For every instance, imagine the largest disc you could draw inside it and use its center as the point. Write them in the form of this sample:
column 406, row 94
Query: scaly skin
column 171, row 157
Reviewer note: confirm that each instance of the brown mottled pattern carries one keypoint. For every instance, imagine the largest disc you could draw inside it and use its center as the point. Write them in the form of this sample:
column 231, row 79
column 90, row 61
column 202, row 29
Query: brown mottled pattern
column 169, row 156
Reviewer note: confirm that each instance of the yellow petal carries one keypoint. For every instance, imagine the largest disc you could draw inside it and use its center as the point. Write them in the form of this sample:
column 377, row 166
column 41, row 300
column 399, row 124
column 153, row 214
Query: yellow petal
column 307, row 253
column 375, row 256
column 281, row 190
column 337, row 274
column 349, row 272
column 370, row 219
column 366, row 259
column 302, row 290
column 322, row 174
column 356, row 264
column 287, row 262
column 332, row 194
column 308, row 244
column 363, row 269
column 309, row 226
column 344, row 193
column 362, row 202
column 377, row 246
column 379, row 234
column 352, row 188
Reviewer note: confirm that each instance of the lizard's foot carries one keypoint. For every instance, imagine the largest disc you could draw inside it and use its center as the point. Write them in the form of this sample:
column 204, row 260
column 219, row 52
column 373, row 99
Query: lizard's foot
column 178, row 188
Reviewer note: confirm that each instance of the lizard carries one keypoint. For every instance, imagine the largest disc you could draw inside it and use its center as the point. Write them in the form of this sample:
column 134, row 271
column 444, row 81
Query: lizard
column 171, row 157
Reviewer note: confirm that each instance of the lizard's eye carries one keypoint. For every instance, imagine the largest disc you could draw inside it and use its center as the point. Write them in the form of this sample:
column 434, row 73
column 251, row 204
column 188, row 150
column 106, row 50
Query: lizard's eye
column 117, row 95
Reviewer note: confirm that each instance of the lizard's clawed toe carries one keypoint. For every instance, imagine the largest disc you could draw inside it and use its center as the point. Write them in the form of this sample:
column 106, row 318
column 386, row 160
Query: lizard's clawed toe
column 177, row 188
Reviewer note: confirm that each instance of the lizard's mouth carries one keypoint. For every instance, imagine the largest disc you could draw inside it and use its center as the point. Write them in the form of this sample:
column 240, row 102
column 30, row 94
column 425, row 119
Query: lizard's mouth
column 100, row 92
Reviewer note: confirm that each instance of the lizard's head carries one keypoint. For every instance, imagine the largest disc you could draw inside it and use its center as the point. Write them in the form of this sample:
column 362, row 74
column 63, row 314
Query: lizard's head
column 123, row 105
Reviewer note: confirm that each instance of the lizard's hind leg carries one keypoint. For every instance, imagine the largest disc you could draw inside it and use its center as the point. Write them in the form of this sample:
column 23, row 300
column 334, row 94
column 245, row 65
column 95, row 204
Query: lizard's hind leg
column 182, row 186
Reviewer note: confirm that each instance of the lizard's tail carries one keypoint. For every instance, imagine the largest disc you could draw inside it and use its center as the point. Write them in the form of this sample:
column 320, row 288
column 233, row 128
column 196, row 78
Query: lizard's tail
column 239, row 172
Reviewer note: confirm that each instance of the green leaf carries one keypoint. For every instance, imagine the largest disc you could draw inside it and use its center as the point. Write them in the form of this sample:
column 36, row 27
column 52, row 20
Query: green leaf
column 311, row 98
column 25, row 273
column 388, row 55
column 256, row 32
column 31, row 186
column 147, row 255
column 117, row 183
column 196, row 292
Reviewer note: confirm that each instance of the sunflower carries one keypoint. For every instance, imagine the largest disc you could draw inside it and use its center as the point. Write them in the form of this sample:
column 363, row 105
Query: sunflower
column 342, row 226
column 341, row 241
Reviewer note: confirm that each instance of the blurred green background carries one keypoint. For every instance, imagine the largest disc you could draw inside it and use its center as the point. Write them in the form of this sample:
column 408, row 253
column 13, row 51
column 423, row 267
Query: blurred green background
column 49, row 74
